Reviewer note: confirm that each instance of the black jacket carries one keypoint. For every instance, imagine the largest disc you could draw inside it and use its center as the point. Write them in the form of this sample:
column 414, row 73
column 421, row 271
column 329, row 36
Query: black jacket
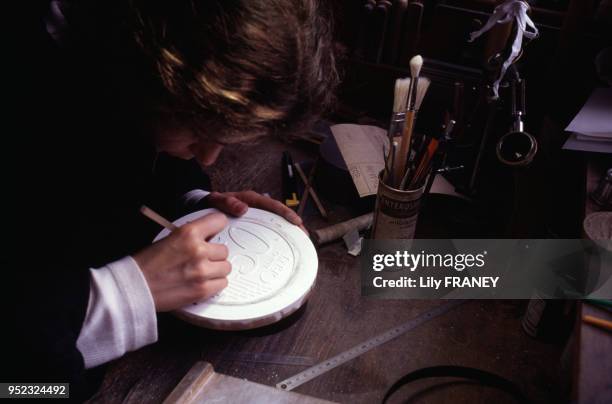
column 76, row 168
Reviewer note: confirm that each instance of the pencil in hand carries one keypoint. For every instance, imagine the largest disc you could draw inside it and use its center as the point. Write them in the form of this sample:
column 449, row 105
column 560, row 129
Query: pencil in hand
column 157, row 218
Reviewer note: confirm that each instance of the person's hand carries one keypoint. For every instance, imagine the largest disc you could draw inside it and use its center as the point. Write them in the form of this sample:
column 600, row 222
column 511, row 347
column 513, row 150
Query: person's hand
column 184, row 267
column 237, row 204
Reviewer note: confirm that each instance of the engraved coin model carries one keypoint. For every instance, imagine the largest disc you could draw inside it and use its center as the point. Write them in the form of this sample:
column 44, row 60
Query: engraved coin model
column 274, row 267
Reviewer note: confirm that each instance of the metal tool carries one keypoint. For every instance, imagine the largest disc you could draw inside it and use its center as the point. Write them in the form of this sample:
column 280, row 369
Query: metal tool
column 358, row 350
column 263, row 357
column 517, row 148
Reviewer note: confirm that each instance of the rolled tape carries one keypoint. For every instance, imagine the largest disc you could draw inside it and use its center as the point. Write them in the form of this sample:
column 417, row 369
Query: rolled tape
column 274, row 268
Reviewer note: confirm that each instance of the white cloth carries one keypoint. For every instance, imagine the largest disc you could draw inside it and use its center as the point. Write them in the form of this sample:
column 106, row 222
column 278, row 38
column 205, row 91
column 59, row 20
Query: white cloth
column 192, row 197
column 120, row 313
column 510, row 10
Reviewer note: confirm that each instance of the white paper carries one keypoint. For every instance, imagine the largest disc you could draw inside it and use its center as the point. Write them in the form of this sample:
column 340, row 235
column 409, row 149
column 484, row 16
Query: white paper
column 596, row 115
column 362, row 148
column 592, row 127
column 573, row 143
column 595, row 118
column 594, row 137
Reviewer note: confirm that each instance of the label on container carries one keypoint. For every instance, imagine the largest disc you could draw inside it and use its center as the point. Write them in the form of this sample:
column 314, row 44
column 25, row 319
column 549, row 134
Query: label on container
column 396, row 213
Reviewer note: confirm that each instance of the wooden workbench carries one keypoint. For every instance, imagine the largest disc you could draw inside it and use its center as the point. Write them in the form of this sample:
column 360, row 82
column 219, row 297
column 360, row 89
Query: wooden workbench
column 484, row 334
column 593, row 365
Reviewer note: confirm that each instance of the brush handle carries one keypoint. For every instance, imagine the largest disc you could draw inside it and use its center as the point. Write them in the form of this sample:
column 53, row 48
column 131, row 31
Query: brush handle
column 412, row 97
column 424, row 163
column 598, row 322
column 389, row 179
column 402, row 158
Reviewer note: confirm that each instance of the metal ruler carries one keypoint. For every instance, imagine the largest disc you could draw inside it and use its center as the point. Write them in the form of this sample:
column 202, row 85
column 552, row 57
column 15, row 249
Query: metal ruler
column 262, row 357
column 358, row 350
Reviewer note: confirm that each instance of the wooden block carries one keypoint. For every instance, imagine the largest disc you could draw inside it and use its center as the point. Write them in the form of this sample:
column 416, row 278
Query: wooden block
column 203, row 385
column 192, row 384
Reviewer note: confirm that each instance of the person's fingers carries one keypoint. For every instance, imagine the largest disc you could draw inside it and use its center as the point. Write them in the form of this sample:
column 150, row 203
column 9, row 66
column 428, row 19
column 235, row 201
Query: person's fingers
column 259, row 201
column 203, row 228
column 208, row 288
column 188, row 293
column 227, row 203
column 207, row 270
column 214, row 252
column 165, row 253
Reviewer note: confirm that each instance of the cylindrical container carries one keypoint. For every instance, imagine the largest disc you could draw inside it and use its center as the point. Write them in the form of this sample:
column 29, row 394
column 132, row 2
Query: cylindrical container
column 396, row 211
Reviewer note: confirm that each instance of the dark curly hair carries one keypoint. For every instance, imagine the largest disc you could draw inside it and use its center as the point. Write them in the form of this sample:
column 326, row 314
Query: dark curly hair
column 237, row 70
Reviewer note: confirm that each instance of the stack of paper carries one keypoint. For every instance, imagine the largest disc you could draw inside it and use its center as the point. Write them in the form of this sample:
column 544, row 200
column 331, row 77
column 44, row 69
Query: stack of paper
column 592, row 127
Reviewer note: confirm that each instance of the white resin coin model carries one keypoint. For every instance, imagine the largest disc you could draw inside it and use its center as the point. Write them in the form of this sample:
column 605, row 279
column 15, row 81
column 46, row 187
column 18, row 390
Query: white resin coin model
column 274, row 267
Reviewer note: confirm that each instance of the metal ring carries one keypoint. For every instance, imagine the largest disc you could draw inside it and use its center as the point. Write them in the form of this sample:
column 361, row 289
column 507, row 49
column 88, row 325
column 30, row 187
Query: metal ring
column 523, row 157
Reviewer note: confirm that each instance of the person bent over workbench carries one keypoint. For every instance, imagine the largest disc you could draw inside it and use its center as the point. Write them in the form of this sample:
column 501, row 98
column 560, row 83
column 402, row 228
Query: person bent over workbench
column 120, row 104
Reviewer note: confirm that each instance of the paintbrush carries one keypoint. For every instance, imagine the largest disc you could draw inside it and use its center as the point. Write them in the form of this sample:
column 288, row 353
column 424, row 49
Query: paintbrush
column 398, row 117
column 423, row 164
column 418, row 89
column 416, row 64
column 400, row 104
column 393, row 150
column 425, row 160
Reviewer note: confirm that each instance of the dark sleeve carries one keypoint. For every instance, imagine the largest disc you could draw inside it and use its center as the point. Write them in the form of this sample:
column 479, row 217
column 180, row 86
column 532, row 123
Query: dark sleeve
column 47, row 286
column 172, row 179
column 44, row 299
column 43, row 327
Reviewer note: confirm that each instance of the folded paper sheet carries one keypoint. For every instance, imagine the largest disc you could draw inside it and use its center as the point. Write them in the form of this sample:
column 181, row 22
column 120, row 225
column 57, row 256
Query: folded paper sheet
column 363, row 148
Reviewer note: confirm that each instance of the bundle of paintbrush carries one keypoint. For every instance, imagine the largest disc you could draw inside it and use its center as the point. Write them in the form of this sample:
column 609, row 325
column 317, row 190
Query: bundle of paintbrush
column 423, row 162
column 409, row 94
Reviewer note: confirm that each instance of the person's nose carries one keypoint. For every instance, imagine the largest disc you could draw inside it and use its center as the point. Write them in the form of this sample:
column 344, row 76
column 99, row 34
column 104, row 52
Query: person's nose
column 206, row 153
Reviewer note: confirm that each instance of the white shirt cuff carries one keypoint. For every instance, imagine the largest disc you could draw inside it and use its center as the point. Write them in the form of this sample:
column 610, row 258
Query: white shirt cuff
column 194, row 196
column 120, row 314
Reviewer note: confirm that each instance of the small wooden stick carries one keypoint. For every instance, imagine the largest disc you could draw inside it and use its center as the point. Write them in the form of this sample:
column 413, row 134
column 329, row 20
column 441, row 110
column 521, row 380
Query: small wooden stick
column 598, row 322
column 304, row 198
column 157, row 218
column 303, row 201
column 315, row 198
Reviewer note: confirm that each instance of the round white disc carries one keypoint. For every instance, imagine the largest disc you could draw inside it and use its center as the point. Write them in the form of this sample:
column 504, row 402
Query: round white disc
column 274, row 267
